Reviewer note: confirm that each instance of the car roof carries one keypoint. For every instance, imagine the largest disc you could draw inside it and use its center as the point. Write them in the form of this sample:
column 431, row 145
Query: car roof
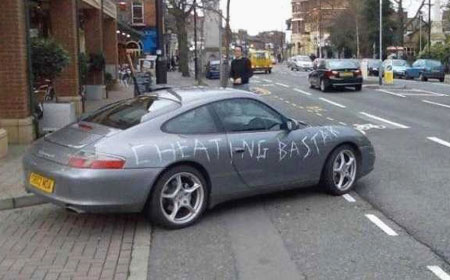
column 199, row 94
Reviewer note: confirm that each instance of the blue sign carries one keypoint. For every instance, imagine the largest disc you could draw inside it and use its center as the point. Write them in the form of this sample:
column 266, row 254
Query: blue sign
column 150, row 41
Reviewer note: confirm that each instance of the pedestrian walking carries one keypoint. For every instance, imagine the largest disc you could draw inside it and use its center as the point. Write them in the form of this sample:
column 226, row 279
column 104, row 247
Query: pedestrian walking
column 241, row 70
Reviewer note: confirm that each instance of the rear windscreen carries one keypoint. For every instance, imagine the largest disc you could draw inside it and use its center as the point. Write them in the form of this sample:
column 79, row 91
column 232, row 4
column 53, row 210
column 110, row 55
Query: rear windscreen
column 341, row 64
column 434, row 63
column 128, row 113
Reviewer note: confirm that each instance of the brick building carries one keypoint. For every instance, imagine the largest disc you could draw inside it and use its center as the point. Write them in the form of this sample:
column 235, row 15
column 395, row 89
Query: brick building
column 310, row 21
column 141, row 16
column 78, row 25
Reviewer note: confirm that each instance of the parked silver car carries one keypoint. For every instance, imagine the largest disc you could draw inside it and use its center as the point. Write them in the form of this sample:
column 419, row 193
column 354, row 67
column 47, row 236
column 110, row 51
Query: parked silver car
column 174, row 153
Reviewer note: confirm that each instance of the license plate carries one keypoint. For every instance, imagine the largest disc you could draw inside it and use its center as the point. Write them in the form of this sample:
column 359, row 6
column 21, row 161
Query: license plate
column 42, row 183
column 346, row 74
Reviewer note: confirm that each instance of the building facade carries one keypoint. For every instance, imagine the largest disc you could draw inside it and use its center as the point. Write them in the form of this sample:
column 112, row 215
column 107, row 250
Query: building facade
column 141, row 16
column 78, row 26
column 310, row 22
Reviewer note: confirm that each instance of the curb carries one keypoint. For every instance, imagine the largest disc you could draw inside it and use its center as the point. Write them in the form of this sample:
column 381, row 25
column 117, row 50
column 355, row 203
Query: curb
column 20, row 202
column 140, row 251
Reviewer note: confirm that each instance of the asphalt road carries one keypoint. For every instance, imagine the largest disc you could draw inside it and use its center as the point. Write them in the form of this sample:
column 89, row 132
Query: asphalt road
column 393, row 226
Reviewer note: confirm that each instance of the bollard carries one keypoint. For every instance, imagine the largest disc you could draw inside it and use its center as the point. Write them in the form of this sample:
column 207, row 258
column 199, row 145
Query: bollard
column 3, row 143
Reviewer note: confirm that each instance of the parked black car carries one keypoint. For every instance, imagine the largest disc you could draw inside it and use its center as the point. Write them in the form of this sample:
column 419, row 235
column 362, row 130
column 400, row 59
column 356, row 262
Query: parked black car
column 213, row 69
column 335, row 73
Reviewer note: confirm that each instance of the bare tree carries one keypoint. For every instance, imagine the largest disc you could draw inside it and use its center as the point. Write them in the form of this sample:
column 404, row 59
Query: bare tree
column 181, row 10
column 403, row 23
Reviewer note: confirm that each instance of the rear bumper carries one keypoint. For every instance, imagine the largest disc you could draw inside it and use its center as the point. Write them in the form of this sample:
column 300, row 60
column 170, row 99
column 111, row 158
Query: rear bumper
column 431, row 75
column 95, row 191
column 345, row 82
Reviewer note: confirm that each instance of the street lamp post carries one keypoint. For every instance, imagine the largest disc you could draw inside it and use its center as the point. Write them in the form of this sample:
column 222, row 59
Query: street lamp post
column 195, row 41
column 420, row 31
column 380, row 78
column 429, row 28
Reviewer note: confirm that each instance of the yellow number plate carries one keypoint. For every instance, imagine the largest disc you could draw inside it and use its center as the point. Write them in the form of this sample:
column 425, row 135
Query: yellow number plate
column 42, row 183
column 346, row 74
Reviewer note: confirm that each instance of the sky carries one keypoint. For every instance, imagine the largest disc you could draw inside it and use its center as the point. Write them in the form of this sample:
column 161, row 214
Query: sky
column 266, row 15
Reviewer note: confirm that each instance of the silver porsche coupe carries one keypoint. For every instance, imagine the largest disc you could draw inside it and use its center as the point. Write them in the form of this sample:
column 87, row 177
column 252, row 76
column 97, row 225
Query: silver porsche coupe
column 174, row 153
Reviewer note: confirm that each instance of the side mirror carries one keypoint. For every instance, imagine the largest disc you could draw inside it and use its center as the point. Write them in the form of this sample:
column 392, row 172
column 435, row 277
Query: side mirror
column 291, row 125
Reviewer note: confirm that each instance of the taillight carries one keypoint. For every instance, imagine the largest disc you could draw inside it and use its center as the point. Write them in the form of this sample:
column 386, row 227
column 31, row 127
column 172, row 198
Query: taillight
column 331, row 74
column 95, row 161
column 358, row 73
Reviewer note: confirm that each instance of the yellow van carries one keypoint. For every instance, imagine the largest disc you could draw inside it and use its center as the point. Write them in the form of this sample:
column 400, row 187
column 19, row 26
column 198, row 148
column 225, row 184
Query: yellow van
column 261, row 61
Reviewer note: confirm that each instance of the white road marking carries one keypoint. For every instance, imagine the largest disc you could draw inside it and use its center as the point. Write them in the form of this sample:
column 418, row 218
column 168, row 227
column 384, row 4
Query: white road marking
column 267, row 80
column 349, row 198
column 435, row 103
column 374, row 219
column 283, row 85
column 343, row 123
column 439, row 141
column 439, row 272
column 302, row 91
column 391, row 93
column 281, row 98
column 288, row 102
column 384, row 120
column 330, row 119
column 332, row 103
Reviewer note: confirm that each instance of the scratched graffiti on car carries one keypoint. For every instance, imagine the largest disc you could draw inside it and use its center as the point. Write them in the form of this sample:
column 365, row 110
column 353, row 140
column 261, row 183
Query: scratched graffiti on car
column 210, row 149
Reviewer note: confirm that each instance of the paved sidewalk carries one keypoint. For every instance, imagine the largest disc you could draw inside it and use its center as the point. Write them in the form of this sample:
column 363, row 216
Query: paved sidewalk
column 48, row 242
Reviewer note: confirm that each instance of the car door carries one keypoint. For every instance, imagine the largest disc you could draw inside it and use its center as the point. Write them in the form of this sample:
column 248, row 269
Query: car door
column 262, row 152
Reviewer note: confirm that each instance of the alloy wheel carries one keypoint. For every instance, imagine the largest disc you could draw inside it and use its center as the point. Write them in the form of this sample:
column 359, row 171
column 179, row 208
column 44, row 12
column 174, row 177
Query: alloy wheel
column 182, row 198
column 344, row 170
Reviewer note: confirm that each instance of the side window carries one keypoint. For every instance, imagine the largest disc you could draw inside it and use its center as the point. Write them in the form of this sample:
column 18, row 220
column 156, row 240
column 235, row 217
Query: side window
column 197, row 121
column 247, row 115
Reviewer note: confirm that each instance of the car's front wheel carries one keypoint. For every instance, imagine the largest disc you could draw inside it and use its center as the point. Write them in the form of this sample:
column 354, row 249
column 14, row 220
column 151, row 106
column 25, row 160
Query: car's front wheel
column 358, row 87
column 340, row 171
column 179, row 198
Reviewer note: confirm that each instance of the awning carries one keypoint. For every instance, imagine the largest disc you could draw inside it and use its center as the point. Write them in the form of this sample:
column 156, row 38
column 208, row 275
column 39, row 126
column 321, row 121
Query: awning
column 136, row 34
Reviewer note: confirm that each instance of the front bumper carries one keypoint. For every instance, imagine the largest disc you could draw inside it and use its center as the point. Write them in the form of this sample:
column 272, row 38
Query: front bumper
column 88, row 190
column 368, row 158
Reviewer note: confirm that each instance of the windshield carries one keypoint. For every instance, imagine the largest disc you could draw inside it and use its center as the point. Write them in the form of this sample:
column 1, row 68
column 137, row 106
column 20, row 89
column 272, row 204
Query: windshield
column 128, row 113
column 374, row 63
column 341, row 64
column 399, row 63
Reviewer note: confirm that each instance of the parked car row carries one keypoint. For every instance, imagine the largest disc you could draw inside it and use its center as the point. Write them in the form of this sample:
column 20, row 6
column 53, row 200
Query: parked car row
column 422, row 69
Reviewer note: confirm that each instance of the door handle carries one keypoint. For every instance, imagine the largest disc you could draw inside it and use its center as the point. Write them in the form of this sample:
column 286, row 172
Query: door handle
column 239, row 150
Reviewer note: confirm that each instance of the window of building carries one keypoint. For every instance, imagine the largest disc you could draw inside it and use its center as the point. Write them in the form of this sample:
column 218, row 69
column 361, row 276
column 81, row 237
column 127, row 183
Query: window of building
column 138, row 12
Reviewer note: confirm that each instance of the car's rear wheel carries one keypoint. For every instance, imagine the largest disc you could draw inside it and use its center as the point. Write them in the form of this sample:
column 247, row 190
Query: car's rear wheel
column 323, row 86
column 340, row 171
column 179, row 199
column 358, row 87
column 441, row 80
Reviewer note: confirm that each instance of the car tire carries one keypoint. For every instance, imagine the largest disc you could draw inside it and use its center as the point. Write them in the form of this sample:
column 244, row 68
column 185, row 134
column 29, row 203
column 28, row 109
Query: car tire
column 358, row 87
column 270, row 71
column 441, row 80
column 183, row 186
column 340, row 172
column 422, row 78
column 323, row 87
